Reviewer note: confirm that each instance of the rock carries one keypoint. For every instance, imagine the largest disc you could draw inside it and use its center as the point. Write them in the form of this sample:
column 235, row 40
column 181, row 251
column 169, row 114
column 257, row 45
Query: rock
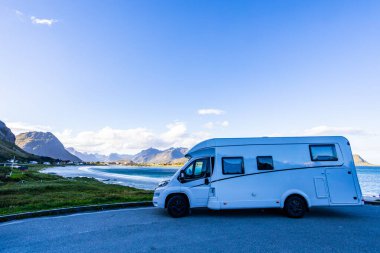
column 6, row 134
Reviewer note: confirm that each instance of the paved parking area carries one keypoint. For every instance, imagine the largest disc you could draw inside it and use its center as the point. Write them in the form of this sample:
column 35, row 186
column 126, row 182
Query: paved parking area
column 340, row 229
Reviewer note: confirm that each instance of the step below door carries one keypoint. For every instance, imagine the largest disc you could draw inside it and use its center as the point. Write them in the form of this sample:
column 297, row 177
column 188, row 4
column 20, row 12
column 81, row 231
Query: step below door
column 341, row 186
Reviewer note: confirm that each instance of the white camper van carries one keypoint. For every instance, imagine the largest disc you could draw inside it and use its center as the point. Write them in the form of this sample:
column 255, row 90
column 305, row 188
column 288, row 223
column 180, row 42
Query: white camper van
column 292, row 173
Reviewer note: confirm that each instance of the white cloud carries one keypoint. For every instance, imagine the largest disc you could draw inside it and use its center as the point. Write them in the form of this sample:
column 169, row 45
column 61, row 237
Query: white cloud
column 328, row 130
column 109, row 140
column 210, row 111
column 175, row 131
column 211, row 124
column 22, row 127
column 43, row 21
column 37, row 21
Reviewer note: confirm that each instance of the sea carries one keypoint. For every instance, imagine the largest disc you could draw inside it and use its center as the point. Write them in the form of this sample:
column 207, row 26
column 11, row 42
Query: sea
column 149, row 177
column 369, row 180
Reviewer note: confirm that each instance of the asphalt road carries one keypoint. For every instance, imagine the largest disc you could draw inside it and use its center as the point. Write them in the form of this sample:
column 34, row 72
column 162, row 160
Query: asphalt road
column 343, row 229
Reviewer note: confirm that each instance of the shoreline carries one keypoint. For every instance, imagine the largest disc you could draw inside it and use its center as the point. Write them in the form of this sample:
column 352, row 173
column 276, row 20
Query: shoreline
column 135, row 181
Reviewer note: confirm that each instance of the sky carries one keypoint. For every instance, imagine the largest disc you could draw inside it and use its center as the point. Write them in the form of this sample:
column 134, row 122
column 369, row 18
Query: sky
column 121, row 76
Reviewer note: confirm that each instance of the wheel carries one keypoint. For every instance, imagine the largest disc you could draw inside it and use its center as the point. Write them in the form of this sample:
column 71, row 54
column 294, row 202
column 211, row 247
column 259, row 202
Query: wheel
column 295, row 206
column 178, row 206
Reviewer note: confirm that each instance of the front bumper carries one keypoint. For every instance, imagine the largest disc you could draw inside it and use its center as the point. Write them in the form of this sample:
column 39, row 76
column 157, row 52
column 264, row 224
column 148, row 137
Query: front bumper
column 157, row 198
column 155, row 201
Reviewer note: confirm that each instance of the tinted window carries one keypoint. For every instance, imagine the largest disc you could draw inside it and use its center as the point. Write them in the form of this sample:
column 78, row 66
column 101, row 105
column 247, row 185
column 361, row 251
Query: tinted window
column 189, row 171
column 197, row 169
column 323, row 153
column 200, row 167
column 233, row 165
column 264, row 163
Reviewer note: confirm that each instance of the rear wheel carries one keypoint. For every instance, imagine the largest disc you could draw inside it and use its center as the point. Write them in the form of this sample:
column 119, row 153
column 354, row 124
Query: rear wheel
column 178, row 206
column 295, row 206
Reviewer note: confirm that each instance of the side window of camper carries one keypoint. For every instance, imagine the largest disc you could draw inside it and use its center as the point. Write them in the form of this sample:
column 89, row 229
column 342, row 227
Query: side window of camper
column 197, row 169
column 200, row 167
column 264, row 163
column 323, row 152
column 189, row 171
column 233, row 165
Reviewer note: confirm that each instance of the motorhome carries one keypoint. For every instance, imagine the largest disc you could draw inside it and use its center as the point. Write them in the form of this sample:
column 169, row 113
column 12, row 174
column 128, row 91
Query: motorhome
column 292, row 173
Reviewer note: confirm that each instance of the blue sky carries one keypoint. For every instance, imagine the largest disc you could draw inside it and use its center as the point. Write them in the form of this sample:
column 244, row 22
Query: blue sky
column 119, row 76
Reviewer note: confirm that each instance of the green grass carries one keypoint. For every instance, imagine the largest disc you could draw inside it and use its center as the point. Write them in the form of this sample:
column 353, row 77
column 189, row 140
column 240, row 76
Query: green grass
column 33, row 191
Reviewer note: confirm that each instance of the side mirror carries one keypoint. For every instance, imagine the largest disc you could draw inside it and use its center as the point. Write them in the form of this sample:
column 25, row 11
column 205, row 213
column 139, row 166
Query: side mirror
column 207, row 181
column 182, row 176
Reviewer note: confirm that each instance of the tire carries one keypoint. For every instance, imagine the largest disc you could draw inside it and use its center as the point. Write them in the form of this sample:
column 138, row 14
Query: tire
column 178, row 206
column 295, row 206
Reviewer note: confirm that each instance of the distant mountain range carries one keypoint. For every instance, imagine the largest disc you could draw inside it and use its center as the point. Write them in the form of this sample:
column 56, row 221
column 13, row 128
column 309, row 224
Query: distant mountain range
column 40, row 146
column 93, row 157
column 44, row 144
column 150, row 155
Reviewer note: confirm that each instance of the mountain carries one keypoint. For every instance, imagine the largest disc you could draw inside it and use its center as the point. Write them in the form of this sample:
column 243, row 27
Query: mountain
column 6, row 134
column 113, row 157
column 145, row 155
column 44, row 144
column 88, row 157
column 8, row 148
column 169, row 156
column 151, row 155
column 359, row 161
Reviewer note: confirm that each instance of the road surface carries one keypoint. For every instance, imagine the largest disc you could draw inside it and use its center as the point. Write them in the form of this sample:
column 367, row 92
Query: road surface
column 343, row 229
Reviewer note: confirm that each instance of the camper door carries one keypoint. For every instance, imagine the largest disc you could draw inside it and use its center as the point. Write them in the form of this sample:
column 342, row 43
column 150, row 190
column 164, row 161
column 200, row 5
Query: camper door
column 196, row 181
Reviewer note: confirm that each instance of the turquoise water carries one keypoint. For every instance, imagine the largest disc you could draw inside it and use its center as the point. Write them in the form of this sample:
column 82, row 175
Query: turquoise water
column 154, row 172
column 369, row 179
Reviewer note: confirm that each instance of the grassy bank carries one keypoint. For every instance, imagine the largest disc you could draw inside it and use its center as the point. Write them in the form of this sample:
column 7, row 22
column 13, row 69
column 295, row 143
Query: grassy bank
column 33, row 191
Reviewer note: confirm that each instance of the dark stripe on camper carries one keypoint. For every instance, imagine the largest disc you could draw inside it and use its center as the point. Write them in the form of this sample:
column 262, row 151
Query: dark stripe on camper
column 271, row 171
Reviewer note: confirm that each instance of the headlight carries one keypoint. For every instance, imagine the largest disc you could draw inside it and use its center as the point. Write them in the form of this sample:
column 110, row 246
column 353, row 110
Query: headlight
column 156, row 194
column 163, row 183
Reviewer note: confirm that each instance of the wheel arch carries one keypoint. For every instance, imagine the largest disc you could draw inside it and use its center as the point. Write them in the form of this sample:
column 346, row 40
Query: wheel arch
column 176, row 193
column 292, row 192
